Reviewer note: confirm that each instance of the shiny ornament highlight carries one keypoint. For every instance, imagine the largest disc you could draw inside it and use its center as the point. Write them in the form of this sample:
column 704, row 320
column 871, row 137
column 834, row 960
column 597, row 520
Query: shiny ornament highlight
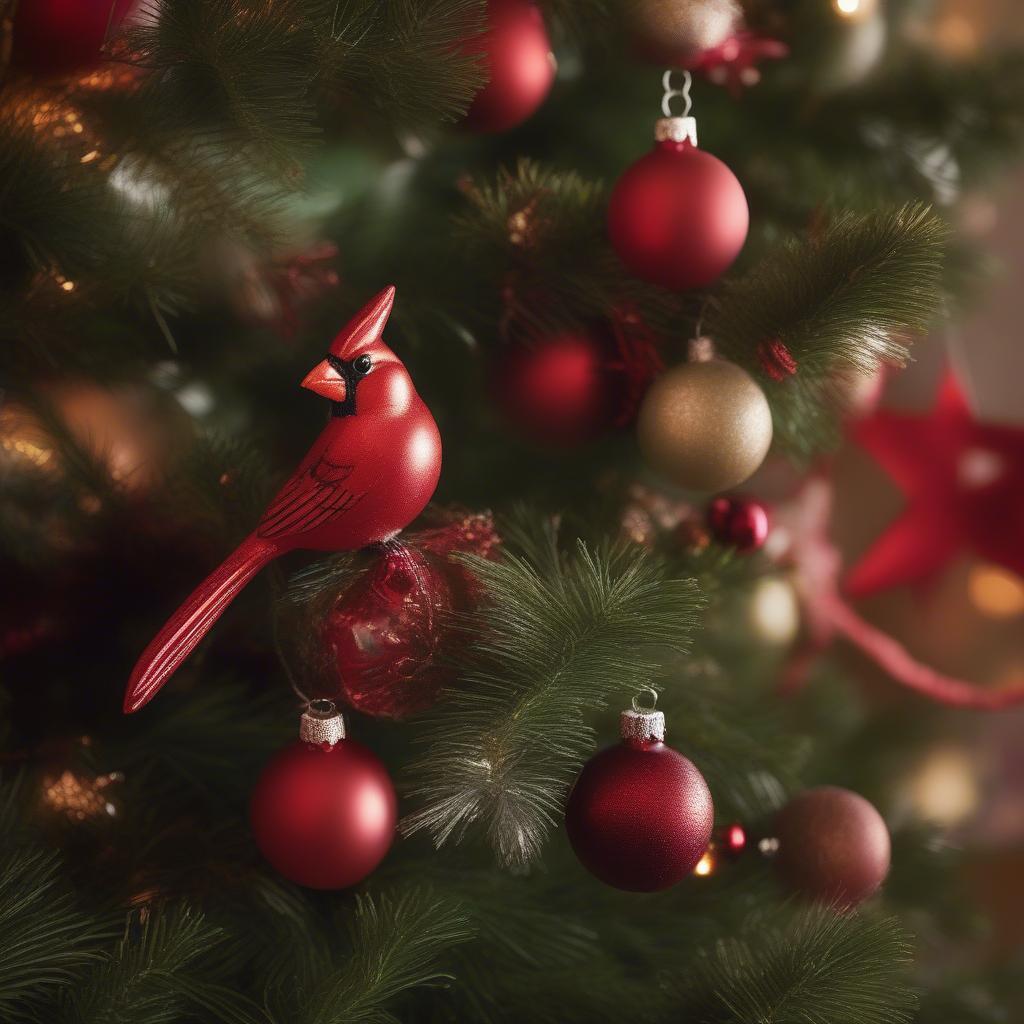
column 519, row 63
column 324, row 809
column 706, row 426
column 640, row 814
column 834, row 846
column 678, row 217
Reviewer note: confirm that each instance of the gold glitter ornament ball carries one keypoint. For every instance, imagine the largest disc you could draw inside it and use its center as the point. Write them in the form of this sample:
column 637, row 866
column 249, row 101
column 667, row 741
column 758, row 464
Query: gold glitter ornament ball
column 706, row 426
column 674, row 32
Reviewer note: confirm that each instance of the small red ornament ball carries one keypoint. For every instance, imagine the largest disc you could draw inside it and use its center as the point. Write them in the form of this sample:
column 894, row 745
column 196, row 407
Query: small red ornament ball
column 519, row 63
column 833, row 846
column 58, row 37
column 557, row 391
column 678, row 217
column 738, row 522
column 640, row 816
column 324, row 815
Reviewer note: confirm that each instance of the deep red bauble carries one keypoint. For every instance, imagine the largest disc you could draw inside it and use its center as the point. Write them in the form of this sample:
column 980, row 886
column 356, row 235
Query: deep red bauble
column 519, row 63
column 833, row 846
column 324, row 815
column 58, row 37
column 556, row 391
column 640, row 816
column 738, row 522
column 678, row 217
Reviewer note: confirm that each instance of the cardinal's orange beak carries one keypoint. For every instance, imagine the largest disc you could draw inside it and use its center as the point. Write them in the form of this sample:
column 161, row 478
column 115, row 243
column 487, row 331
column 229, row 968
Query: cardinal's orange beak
column 325, row 381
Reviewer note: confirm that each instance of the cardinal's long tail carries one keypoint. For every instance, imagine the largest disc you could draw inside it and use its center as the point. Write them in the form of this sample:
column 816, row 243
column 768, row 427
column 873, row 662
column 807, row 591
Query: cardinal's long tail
column 188, row 625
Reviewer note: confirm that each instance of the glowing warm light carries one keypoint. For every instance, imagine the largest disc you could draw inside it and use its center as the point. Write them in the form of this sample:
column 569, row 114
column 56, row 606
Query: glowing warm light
column 705, row 866
column 847, row 7
column 78, row 798
column 996, row 592
column 854, row 8
column 775, row 611
column 944, row 789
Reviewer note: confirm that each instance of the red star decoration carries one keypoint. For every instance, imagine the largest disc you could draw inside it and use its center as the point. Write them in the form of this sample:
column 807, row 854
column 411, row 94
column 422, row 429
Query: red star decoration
column 734, row 62
column 964, row 484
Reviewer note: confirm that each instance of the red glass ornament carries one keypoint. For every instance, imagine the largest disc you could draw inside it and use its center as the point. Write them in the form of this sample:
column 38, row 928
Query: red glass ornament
column 833, row 846
column 739, row 522
column 324, row 810
column 640, row 815
column 519, row 63
column 678, row 216
column 370, row 473
column 58, row 37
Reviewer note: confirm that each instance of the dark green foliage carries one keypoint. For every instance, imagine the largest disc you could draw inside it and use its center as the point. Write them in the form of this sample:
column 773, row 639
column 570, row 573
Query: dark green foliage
column 816, row 967
column 843, row 301
column 555, row 639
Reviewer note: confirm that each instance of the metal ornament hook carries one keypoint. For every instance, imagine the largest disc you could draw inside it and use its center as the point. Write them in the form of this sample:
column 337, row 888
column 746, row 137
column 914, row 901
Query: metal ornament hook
column 670, row 93
column 638, row 707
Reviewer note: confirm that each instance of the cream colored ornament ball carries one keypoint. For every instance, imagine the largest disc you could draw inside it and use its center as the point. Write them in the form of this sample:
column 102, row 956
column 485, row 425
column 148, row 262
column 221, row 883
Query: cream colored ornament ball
column 680, row 30
column 706, row 426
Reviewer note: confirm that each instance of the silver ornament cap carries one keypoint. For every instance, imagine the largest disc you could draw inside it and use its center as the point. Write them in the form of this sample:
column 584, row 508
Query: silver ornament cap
column 676, row 129
column 321, row 724
column 643, row 724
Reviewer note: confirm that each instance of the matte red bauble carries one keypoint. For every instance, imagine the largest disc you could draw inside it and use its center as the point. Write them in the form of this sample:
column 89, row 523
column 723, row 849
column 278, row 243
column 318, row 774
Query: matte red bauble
column 833, row 846
column 640, row 815
column 519, row 63
column 58, row 37
column 739, row 523
column 324, row 810
column 678, row 216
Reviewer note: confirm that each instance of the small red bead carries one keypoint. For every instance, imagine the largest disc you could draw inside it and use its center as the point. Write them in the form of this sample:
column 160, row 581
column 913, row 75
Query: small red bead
column 738, row 522
column 733, row 840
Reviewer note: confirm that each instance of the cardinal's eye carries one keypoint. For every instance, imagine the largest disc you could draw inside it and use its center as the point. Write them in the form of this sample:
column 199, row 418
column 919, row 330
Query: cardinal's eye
column 362, row 365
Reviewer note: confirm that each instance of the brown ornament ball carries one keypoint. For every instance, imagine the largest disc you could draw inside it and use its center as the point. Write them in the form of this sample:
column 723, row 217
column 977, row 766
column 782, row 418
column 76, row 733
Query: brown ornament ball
column 833, row 846
column 705, row 425
column 675, row 32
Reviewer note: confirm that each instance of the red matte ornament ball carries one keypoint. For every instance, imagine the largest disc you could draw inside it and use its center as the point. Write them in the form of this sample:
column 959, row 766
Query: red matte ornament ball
column 738, row 522
column 59, row 37
column 519, row 63
column 834, row 846
column 324, row 816
column 678, row 217
column 640, row 816
column 558, row 391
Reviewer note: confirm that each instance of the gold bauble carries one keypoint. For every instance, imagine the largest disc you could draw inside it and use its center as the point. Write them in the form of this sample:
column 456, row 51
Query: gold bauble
column 705, row 425
column 674, row 31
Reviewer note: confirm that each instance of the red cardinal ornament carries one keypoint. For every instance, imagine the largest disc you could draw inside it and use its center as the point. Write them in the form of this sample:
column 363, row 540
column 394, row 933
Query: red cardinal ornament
column 371, row 472
column 964, row 483
column 324, row 810
column 519, row 62
column 678, row 216
column 640, row 815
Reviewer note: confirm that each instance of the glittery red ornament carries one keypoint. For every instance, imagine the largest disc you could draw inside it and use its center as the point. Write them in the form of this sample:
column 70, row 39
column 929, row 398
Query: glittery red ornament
column 59, row 37
column 385, row 635
column 519, row 64
column 833, row 846
column 678, row 216
column 569, row 388
column 640, row 814
column 324, row 810
column 738, row 522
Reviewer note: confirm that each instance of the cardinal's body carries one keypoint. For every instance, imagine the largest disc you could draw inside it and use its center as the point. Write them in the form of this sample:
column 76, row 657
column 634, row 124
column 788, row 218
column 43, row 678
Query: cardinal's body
column 369, row 474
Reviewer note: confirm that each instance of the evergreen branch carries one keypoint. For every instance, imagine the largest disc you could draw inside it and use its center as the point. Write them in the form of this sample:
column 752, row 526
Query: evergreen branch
column 47, row 941
column 820, row 967
column 397, row 941
column 159, row 973
column 842, row 302
column 546, row 648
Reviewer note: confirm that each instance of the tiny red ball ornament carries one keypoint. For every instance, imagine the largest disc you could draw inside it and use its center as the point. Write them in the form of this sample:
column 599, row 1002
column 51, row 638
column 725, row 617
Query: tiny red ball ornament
column 740, row 523
column 640, row 814
column 833, row 846
column 678, row 217
column 59, row 37
column 519, row 63
column 324, row 810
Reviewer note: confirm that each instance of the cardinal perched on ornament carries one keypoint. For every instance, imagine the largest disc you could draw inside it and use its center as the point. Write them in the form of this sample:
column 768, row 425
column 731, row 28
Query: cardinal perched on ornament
column 369, row 474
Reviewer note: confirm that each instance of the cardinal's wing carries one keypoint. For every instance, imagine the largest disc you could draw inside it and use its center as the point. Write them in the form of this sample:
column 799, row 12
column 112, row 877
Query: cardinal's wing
column 316, row 494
